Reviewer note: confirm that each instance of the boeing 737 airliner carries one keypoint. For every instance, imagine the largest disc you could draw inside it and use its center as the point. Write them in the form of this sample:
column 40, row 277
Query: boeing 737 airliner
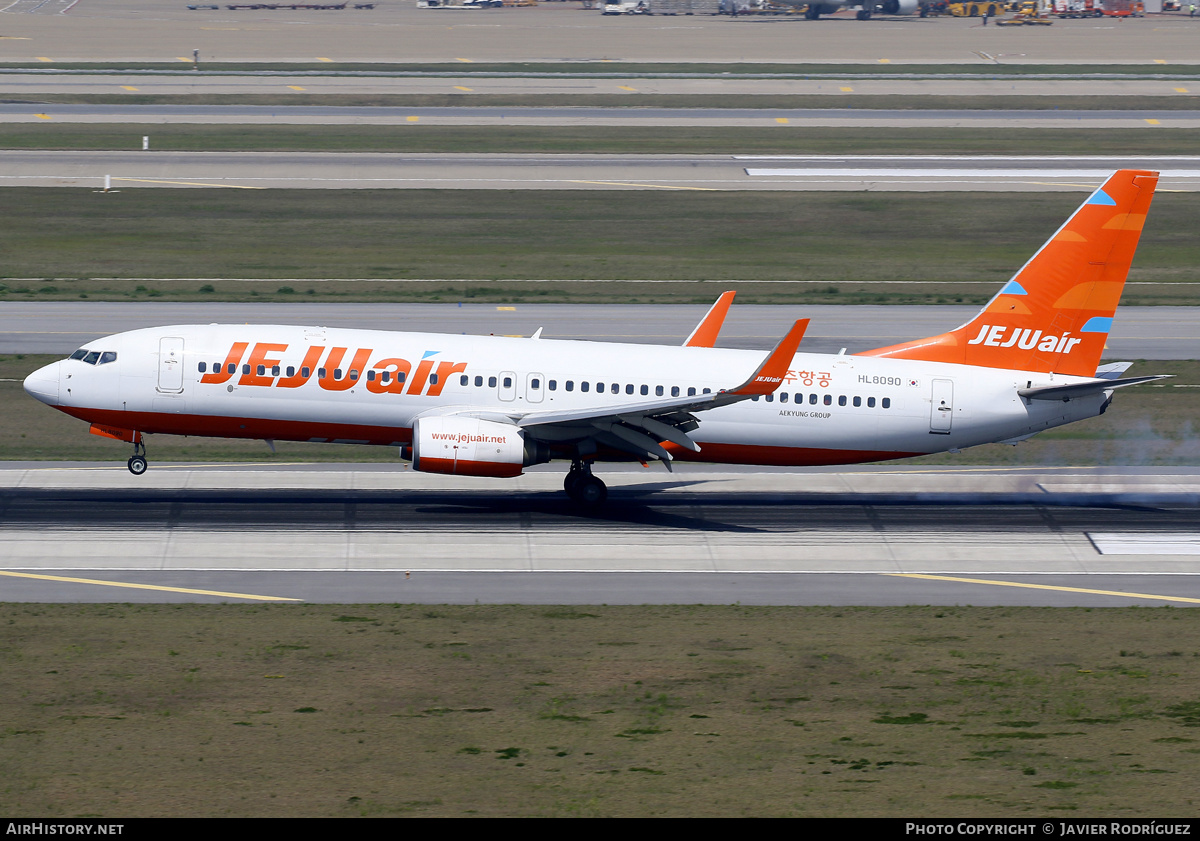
column 488, row 406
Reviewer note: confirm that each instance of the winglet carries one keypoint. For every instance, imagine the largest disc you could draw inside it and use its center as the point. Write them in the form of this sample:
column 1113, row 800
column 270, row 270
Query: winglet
column 773, row 369
column 705, row 334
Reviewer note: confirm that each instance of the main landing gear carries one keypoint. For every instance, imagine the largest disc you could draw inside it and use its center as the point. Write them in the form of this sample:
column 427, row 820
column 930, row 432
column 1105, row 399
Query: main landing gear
column 582, row 487
column 137, row 462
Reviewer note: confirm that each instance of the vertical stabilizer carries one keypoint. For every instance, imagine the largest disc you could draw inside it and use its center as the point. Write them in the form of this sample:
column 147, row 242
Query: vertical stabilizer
column 1056, row 312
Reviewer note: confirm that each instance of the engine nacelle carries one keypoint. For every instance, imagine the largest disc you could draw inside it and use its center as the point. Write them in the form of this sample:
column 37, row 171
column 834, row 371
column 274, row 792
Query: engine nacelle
column 471, row 447
column 900, row 7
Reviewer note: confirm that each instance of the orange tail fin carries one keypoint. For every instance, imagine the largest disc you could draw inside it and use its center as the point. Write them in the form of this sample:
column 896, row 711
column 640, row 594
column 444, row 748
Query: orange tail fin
column 1055, row 314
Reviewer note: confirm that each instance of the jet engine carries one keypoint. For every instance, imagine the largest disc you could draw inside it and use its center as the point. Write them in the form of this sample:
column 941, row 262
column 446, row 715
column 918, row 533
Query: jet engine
column 899, row 7
column 465, row 446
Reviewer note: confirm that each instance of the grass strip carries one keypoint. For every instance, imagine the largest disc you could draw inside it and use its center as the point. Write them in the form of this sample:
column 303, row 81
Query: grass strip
column 694, row 140
column 846, row 246
column 137, row 710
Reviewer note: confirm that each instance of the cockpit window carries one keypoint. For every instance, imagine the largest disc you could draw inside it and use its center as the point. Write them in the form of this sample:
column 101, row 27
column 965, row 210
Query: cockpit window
column 94, row 357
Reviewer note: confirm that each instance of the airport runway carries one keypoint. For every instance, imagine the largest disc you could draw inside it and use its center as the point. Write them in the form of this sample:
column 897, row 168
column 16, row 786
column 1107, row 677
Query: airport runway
column 560, row 81
column 702, row 535
column 350, row 170
column 61, row 327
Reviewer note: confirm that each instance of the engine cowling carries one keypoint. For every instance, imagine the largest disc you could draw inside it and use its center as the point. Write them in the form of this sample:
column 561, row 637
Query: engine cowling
column 464, row 446
column 900, row 7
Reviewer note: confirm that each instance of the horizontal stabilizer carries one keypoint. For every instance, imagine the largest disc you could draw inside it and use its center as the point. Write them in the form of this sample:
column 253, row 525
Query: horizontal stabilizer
column 1069, row 392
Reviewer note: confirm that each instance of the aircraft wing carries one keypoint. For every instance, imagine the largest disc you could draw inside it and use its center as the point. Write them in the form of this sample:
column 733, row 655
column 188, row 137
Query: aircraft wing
column 639, row 427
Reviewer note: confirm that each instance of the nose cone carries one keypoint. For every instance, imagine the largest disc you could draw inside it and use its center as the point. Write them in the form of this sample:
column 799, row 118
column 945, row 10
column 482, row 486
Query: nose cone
column 42, row 384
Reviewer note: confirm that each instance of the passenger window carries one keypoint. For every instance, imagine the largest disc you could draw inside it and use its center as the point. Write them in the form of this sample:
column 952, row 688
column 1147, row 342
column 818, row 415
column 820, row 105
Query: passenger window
column 584, row 386
column 535, row 383
column 658, row 390
column 464, row 380
column 629, row 388
column 783, row 397
column 886, row 403
column 645, row 389
column 232, row 368
column 507, row 381
column 674, row 391
column 552, row 385
column 262, row 369
column 708, row 391
column 274, row 370
column 491, row 382
column 370, row 376
column 321, row 373
column 401, row 376
column 692, row 392
column 755, row 398
column 291, row 370
column 433, row 378
column 245, row 369
column 570, row 385
column 841, row 400
column 828, row 399
column 857, row 401
column 812, row 399
column 203, row 367
column 385, row 377
column 478, row 382
column 870, row 402
column 306, row 372
column 770, row 398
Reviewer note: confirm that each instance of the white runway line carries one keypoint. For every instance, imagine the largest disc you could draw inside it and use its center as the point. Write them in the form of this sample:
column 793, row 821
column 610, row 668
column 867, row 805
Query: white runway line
column 1022, row 174
column 1139, row 543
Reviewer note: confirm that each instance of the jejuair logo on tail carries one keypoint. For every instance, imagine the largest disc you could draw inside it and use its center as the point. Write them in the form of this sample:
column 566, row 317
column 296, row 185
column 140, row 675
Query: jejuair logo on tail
column 1027, row 338
column 994, row 335
column 264, row 367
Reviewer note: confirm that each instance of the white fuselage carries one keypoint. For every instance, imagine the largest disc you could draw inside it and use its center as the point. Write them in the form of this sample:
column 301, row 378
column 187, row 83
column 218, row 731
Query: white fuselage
column 326, row 384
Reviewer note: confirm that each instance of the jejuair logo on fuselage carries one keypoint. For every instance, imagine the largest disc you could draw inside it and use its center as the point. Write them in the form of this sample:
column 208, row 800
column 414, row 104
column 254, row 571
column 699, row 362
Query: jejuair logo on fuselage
column 993, row 335
column 264, row 368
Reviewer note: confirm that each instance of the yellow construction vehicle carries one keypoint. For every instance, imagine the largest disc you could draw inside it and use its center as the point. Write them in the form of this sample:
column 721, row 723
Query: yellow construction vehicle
column 976, row 8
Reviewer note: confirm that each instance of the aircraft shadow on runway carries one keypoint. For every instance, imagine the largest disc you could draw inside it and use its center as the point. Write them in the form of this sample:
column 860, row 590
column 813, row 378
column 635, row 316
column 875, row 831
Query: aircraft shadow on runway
column 665, row 505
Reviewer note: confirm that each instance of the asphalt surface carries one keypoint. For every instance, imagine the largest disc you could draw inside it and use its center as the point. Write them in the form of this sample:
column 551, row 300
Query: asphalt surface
column 703, row 535
column 61, row 327
column 395, row 30
column 346, row 170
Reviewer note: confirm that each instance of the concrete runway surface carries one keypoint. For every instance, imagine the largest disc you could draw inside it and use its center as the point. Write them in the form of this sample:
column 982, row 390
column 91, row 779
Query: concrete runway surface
column 880, row 535
column 61, row 327
column 348, row 170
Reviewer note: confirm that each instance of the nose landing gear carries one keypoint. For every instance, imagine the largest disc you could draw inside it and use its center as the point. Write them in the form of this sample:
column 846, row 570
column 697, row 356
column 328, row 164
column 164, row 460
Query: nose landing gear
column 137, row 462
column 582, row 487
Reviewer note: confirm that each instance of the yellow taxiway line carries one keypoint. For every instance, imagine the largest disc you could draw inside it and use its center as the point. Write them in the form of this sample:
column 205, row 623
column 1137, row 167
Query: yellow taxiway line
column 1042, row 587
column 148, row 587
